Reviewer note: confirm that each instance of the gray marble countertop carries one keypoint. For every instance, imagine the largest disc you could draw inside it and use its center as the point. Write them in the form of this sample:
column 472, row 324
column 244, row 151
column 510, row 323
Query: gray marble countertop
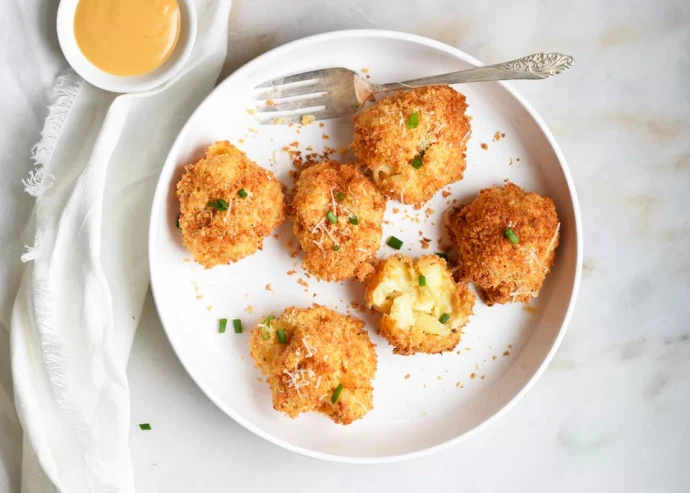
column 612, row 412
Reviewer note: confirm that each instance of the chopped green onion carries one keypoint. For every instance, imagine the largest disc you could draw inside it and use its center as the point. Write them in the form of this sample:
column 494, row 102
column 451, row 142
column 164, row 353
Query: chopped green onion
column 444, row 318
column 444, row 256
column 340, row 196
column 336, row 248
column 332, row 217
column 222, row 323
column 177, row 223
column 237, row 324
column 353, row 219
column 336, row 393
column 511, row 236
column 145, row 426
column 281, row 336
column 242, row 192
column 394, row 242
column 413, row 120
column 218, row 204
column 264, row 331
column 417, row 162
column 422, row 281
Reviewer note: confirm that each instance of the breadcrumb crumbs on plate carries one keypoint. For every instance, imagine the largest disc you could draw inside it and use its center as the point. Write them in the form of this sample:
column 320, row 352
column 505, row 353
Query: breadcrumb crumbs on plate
column 429, row 211
column 468, row 349
column 418, row 206
column 484, row 146
column 186, row 260
column 483, row 377
column 291, row 272
column 446, row 193
column 420, row 232
column 302, row 282
column 457, row 384
column 530, row 309
column 275, row 235
column 498, row 135
column 517, row 159
column 307, row 119
column 249, row 309
column 510, row 346
column 473, row 376
column 425, row 243
column 494, row 357
column 270, row 102
column 325, row 137
column 199, row 296
column 321, row 125
column 365, row 70
column 507, row 353
column 407, row 377
column 268, row 287
column 342, row 150
column 209, row 307
column 439, row 377
column 250, row 111
column 510, row 163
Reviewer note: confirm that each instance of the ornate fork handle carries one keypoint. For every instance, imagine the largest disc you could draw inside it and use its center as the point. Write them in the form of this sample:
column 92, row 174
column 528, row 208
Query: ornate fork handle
column 537, row 66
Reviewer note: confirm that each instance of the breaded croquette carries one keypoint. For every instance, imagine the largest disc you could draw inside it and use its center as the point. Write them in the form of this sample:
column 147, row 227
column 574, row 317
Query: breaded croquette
column 316, row 360
column 506, row 240
column 423, row 308
column 228, row 205
column 337, row 213
column 414, row 142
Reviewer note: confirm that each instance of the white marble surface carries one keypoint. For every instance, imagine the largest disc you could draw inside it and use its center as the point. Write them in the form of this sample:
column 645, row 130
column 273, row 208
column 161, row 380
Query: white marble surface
column 612, row 412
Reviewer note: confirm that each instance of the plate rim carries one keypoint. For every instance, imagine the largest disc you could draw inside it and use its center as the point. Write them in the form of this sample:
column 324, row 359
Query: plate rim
column 402, row 36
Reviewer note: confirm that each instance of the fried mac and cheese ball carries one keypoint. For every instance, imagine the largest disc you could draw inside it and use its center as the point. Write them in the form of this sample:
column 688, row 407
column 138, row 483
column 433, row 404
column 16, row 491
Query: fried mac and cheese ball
column 414, row 142
column 506, row 240
column 228, row 205
column 321, row 351
column 337, row 213
column 423, row 308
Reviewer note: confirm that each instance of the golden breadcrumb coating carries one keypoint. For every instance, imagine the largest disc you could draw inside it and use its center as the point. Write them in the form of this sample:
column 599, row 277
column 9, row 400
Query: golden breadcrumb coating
column 411, row 312
column 342, row 250
column 323, row 349
column 505, row 272
column 213, row 236
column 385, row 144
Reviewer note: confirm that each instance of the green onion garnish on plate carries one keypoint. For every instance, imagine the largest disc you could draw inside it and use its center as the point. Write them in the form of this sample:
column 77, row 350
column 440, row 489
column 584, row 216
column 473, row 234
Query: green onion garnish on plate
column 237, row 325
column 444, row 318
column 336, row 393
column 353, row 219
column 242, row 192
column 222, row 323
column 336, row 248
column 332, row 217
column 280, row 333
column 422, row 281
column 145, row 426
column 340, row 196
column 394, row 242
column 444, row 256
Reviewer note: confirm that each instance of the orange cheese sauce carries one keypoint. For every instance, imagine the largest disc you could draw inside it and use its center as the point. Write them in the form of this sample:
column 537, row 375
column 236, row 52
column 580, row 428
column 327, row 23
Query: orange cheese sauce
column 127, row 37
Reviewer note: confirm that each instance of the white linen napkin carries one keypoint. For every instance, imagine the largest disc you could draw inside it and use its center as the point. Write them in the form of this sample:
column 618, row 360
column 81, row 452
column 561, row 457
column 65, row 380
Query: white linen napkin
column 81, row 295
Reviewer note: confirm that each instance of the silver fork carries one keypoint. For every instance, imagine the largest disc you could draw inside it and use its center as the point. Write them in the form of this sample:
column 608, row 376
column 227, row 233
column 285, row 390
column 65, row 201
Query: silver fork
column 333, row 92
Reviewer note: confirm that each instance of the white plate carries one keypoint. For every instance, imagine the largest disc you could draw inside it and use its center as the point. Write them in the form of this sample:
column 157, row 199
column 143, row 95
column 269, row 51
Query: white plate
column 411, row 416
